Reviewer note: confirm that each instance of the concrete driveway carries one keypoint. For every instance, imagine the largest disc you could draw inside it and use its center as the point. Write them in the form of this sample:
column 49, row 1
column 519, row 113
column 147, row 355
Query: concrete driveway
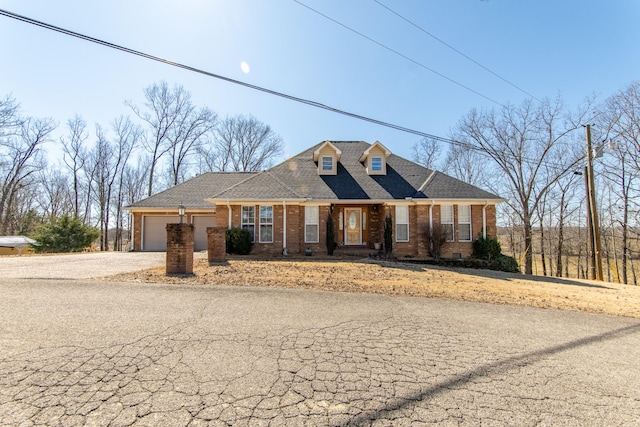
column 78, row 266
column 98, row 353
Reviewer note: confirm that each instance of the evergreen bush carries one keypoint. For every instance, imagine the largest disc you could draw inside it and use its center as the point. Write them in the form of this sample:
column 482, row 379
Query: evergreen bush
column 504, row 263
column 238, row 241
column 486, row 248
column 64, row 234
column 388, row 234
column 331, row 236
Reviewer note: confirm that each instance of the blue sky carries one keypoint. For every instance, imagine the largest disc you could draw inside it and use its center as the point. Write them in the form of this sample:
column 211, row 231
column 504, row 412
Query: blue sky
column 546, row 47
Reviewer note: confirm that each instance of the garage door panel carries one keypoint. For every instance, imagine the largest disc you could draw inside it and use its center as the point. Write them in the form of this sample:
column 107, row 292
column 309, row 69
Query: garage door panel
column 200, row 224
column 154, row 231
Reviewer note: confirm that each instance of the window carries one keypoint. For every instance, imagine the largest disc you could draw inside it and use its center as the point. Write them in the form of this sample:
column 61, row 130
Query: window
column 446, row 220
column 311, row 224
column 327, row 163
column 402, row 223
column 248, row 220
column 464, row 223
column 266, row 224
column 376, row 164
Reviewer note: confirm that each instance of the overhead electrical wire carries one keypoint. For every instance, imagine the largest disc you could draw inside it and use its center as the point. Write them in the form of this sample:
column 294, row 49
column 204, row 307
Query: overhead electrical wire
column 315, row 104
column 399, row 54
column 457, row 51
column 227, row 79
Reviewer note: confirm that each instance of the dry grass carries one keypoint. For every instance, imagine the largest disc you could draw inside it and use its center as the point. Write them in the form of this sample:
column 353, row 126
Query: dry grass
column 411, row 280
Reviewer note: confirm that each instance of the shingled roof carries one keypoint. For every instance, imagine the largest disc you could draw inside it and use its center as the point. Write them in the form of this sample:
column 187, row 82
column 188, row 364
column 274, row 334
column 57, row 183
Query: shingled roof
column 297, row 179
column 192, row 193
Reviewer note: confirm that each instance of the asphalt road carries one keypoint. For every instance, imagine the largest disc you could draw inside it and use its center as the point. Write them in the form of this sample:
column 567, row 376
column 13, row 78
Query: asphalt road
column 85, row 352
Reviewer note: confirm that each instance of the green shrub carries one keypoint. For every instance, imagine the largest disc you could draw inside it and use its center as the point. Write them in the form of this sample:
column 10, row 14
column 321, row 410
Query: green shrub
column 486, row 248
column 504, row 263
column 388, row 234
column 238, row 241
column 64, row 234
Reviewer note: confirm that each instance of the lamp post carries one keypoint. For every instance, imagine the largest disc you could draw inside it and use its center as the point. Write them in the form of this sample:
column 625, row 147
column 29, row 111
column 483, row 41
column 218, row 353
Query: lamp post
column 181, row 209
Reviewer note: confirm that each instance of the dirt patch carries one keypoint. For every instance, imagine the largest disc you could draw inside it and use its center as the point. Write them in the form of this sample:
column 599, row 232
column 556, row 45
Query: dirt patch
column 411, row 280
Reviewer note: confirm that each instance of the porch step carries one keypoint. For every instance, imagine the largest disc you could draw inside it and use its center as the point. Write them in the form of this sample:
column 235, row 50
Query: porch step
column 359, row 251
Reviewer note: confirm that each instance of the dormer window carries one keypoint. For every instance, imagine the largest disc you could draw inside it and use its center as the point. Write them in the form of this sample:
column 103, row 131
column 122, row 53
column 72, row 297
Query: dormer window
column 327, row 163
column 374, row 159
column 327, row 157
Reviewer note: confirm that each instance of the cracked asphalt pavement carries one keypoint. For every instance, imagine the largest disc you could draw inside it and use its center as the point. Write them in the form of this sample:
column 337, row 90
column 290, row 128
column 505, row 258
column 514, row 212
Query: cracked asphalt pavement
column 81, row 352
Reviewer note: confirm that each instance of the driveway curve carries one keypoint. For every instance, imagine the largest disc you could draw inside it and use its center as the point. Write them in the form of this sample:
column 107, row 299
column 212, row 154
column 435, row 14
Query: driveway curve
column 78, row 266
column 117, row 354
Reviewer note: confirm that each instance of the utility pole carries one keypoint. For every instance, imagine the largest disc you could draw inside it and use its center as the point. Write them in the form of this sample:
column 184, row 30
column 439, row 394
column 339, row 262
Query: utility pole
column 593, row 212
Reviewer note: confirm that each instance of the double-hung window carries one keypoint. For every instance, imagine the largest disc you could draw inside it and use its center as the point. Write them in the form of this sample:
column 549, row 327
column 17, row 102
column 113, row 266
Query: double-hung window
column 311, row 224
column 248, row 220
column 266, row 224
column 446, row 220
column 402, row 223
column 464, row 223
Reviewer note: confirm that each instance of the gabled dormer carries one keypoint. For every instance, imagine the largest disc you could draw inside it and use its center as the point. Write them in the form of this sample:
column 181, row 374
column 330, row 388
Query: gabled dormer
column 375, row 159
column 327, row 157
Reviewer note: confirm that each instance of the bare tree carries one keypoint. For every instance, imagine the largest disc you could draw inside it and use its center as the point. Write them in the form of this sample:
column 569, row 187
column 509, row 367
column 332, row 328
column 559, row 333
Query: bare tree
column 108, row 160
column 243, row 144
column 426, row 152
column 55, row 198
column 9, row 116
column 126, row 140
column 520, row 141
column 74, row 157
column 467, row 164
column 186, row 136
column 175, row 126
column 22, row 159
column 620, row 118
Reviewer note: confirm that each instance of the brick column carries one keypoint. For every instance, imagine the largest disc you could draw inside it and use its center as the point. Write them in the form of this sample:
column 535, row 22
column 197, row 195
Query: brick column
column 216, row 244
column 179, row 248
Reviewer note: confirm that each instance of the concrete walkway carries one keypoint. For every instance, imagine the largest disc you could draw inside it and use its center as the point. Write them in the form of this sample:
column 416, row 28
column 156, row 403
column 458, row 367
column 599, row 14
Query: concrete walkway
column 98, row 353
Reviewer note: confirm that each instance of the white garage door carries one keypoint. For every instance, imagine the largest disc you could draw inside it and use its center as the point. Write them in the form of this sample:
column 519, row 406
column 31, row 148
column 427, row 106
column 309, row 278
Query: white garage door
column 154, row 231
column 200, row 224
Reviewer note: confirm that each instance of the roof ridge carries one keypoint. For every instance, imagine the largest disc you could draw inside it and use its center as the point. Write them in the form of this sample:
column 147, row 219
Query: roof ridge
column 251, row 175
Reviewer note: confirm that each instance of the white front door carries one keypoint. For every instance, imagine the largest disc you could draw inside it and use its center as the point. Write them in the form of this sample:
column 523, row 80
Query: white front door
column 353, row 226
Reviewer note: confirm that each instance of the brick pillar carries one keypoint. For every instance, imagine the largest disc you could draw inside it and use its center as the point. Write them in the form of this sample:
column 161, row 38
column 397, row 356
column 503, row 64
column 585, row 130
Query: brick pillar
column 216, row 244
column 179, row 248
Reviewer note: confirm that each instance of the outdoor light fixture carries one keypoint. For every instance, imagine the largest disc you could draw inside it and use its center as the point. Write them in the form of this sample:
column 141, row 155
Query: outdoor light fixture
column 181, row 209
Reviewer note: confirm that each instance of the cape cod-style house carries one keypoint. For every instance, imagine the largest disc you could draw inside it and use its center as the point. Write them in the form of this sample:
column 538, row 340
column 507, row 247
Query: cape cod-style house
column 286, row 207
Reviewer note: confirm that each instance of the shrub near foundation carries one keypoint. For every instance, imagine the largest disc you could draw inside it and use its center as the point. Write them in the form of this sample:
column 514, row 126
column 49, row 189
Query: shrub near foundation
column 238, row 241
column 489, row 250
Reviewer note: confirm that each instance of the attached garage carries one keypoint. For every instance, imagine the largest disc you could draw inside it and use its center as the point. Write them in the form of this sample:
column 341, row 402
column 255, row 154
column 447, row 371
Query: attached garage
column 154, row 231
column 200, row 224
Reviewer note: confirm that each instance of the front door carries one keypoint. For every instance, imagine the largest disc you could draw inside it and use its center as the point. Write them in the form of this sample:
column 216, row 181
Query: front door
column 353, row 226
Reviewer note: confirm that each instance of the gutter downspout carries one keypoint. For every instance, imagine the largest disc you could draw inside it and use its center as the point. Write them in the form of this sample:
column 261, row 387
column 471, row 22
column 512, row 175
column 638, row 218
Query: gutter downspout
column 431, row 218
column 484, row 219
column 131, row 246
column 284, row 228
column 229, row 209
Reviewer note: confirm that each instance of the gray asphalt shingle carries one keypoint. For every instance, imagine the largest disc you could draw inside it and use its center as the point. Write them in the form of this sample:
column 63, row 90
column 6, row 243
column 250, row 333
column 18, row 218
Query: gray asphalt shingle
column 297, row 178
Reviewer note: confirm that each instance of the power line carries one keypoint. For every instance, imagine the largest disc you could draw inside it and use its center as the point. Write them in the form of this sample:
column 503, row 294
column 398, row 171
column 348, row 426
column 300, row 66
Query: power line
column 457, row 51
column 399, row 54
column 217, row 76
column 241, row 83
